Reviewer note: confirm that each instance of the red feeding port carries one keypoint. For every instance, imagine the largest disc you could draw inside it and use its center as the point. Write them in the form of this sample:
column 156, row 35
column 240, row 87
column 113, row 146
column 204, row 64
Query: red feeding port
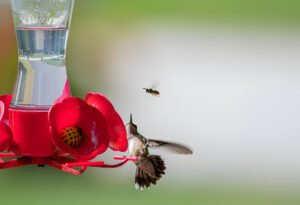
column 66, row 137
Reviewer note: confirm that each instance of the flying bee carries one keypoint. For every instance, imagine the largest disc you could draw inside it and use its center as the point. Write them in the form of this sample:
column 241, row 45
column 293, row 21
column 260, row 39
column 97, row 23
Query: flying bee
column 152, row 91
column 149, row 167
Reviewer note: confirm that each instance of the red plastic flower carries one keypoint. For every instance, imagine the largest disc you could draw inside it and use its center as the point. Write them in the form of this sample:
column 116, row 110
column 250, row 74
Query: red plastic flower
column 78, row 128
column 5, row 137
column 2, row 108
column 5, row 132
column 116, row 128
column 4, row 105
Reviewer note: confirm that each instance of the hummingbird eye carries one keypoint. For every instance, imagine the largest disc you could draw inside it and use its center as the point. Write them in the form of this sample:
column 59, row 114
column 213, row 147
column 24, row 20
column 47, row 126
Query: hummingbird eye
column 134, row 126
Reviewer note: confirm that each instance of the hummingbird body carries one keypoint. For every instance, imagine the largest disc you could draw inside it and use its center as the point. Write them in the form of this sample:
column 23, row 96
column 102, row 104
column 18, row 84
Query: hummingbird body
column 150, row 168
column 136, row 146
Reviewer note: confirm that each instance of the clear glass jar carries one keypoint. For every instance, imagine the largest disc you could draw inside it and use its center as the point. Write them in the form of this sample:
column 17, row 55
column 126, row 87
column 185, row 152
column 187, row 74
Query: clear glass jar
column 42, row 28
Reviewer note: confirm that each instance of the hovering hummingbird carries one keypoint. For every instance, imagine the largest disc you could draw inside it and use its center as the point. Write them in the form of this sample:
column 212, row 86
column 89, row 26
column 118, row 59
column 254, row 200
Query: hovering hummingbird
column 149, row 168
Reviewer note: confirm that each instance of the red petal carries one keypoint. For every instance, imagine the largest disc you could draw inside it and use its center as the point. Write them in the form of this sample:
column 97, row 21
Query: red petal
column 117, row 134
column 77, row 113
column 1, row 110
column 5, row 137
column 65, row 113
column 100, row 102
column 5, row 99
column 116, row 129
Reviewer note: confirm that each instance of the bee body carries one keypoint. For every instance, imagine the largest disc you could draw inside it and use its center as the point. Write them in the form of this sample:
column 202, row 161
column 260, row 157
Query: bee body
column 152, row 91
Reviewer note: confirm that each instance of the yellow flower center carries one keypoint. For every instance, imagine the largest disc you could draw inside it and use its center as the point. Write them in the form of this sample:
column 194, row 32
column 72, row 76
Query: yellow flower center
column 72, row 136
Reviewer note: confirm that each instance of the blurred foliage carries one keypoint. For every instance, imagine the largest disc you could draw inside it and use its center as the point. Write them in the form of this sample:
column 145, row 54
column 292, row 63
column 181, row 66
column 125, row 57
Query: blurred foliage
column 96, row 20
column 33, row 185
column 100, row 20
column 194, row 10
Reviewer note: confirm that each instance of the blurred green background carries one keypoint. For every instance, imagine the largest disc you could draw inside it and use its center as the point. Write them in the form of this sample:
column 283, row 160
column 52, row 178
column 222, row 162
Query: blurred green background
column 106, row 53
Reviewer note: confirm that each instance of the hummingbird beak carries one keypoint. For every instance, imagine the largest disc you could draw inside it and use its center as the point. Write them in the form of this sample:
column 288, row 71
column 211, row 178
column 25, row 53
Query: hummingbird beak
column 131, row 119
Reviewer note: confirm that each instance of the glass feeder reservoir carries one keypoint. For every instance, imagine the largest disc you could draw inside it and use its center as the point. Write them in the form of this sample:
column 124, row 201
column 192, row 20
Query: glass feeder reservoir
column 42, row 28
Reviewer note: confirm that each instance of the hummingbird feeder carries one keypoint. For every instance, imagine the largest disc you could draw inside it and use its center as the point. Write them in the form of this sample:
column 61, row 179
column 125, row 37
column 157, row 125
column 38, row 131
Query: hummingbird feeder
column 41, row 123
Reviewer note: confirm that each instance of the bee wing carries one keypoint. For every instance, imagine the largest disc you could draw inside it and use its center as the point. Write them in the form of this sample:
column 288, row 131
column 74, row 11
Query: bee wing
column 155, row 84
column 170, row 146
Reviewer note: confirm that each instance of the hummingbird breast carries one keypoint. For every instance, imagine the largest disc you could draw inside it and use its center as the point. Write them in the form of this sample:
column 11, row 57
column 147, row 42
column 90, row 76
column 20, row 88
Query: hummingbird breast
column 136, row 147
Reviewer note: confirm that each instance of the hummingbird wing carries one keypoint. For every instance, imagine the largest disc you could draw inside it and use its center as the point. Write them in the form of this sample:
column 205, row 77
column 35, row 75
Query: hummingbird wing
column 170, row 146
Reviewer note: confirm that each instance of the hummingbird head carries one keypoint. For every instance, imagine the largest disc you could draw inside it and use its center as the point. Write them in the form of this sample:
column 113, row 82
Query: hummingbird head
column 131, row 128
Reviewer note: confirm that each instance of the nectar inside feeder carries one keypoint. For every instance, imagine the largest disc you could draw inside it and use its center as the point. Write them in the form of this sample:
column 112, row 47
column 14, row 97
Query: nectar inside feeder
column 41, row 123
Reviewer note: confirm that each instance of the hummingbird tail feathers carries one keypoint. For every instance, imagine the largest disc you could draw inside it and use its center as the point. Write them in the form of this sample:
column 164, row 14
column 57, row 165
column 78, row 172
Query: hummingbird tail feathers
column 149, row 170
